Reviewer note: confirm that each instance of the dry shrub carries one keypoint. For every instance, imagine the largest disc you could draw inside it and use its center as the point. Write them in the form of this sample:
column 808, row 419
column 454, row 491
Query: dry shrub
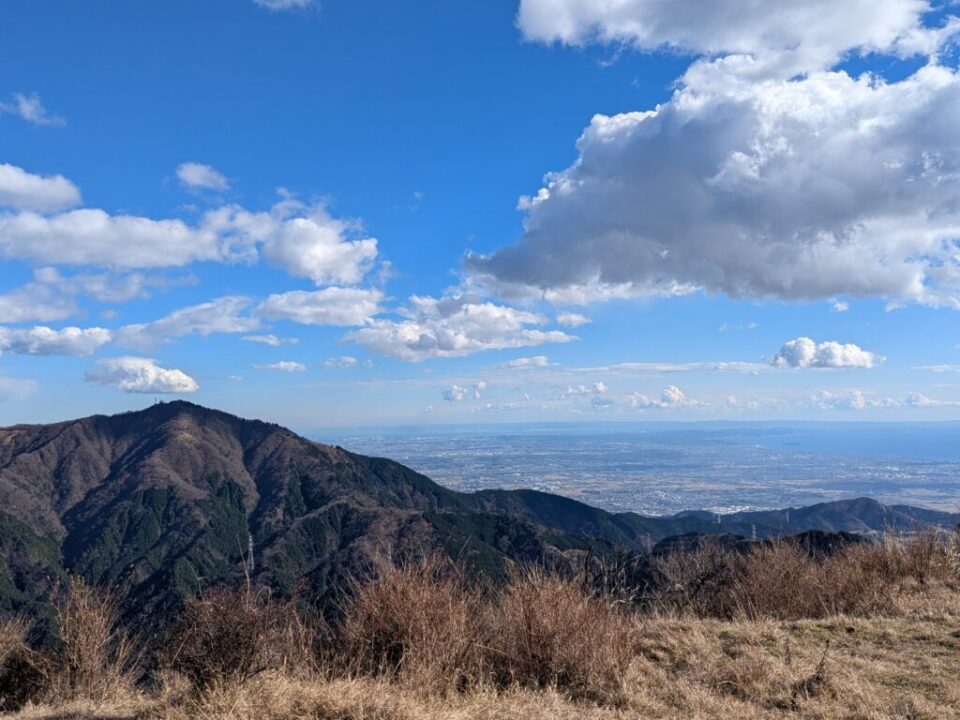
column 24, row 674
column 778, row 581
column 415, row 620
column 95, row 659
column 230, row 635
column 548, row 633
column 783, row 580
column 700, row 581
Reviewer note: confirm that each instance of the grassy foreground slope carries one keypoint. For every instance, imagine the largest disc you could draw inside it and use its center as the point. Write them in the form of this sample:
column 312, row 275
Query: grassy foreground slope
column 866, row 631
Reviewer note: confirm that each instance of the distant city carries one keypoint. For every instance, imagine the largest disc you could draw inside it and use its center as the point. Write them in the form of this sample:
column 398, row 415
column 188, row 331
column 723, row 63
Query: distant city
column 660, row 468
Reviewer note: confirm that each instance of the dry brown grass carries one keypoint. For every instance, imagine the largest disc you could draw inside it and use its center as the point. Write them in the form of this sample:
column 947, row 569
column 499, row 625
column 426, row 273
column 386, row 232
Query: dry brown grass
column 546, row 632
column 96, row 659
column 230, row 635
column 781, row 580
column 415, row 620
column 870, row 633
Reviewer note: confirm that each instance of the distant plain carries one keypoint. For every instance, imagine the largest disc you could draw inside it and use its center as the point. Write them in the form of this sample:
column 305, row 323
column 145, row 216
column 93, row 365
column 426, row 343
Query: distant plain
column 662, row 468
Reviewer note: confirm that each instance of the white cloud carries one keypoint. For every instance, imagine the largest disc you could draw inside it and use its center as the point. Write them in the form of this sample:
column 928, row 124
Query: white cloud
column 939, row 368
column 730, row 328
column 47, row 341
column 31, row 109
column 26, row 191
column 278, row 5
column 839, row 306
column 919, row 400
column 316, row 246
column 597, row 388
column 303, row 240
column 671, row 397
column 536, row 361
column 455, row 393
column 271, row 340
column 105, row 287
column 94, row 237
column 805, row 353
column 788, row 36
column 454, row 327
column 283, row 366
column 654, row 368
column 330, row 306
column 197, row 176
column 141, row 375
column 691, row 193
column 34, row 302
column 572, row 320
column 223, row 315
column 858, row 400
column 344, row 361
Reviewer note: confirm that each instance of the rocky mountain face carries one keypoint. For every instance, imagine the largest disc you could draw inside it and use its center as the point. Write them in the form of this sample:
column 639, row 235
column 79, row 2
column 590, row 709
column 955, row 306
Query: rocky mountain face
column 163, row 502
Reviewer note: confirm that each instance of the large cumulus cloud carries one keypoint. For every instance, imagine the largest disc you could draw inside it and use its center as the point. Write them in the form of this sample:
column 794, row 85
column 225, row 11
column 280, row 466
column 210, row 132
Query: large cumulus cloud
column 796, row 190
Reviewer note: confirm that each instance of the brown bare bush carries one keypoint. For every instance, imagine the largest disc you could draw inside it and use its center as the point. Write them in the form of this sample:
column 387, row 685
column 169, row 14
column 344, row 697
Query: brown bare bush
column 230, row 635
column 548, row 633
column 96, row 659
column 700, row 581
column 24, row 673
column 416, row 620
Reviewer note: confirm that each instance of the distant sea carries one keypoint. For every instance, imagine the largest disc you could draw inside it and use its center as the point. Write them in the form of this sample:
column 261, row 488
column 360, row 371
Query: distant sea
column 662, row 468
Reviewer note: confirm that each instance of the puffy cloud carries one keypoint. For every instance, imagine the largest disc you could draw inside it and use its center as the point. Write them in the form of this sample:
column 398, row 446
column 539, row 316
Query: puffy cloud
column 454, row 327
column 278, row 5
column 536, row 361
column 692, row 194
column 31, row 109
column 316, row 246
column 303, row 240
column 44, row 193
column 197, row 176
column 141, row 375
column 455, row 393
column 344, row 361
column 572, row 320
column 105, row 287
column 919, row 400
column 671, row 397
column 805, row 353
column 283, row 366
column 34, row 302
column 46, row 341
column 271, row 340
column 790, row 36
column 223, row 315
column 858, row 400
column 839, row 306
column 330, row 306
column 598, row 388
column 94, row 237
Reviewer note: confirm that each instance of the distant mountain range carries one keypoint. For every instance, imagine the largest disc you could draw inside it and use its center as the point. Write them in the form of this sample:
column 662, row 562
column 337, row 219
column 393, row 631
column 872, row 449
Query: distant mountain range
column 164, row 501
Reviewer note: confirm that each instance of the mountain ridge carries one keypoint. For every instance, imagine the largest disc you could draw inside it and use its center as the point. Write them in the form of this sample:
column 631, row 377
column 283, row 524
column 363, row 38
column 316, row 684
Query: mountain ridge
column 163, row 501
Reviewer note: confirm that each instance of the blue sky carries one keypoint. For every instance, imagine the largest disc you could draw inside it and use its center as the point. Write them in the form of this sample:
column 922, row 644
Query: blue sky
column 381, row 212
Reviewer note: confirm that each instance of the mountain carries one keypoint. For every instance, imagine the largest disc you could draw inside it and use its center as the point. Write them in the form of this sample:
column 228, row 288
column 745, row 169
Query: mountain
column 162, row 502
